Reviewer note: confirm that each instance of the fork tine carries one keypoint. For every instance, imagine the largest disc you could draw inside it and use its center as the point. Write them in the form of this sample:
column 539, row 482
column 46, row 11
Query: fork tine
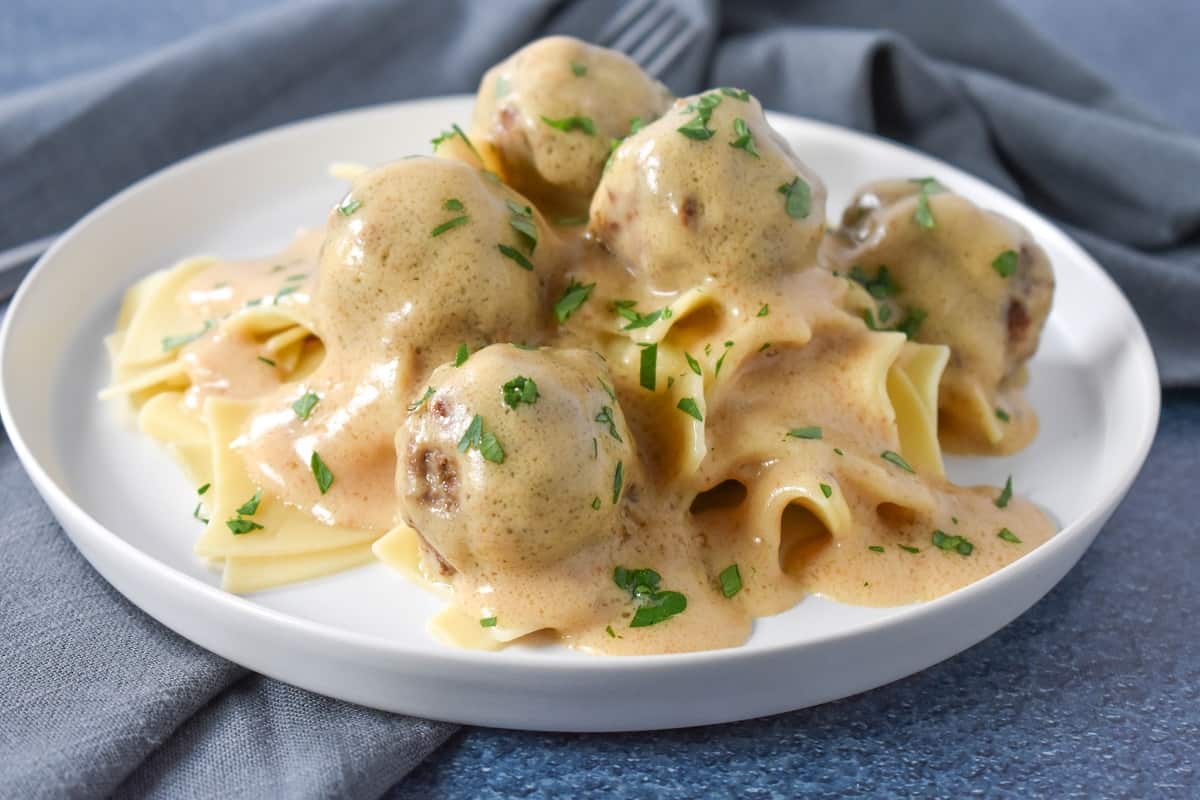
column 630, row 40
column 686, row 37
column 621, row 20
column 649, row 50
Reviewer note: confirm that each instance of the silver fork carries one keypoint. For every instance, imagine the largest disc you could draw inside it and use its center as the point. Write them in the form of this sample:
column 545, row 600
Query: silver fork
column 651, row 32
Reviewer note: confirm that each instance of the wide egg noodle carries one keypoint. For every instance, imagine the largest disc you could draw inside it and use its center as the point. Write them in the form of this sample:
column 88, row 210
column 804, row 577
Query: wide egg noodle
column 156, row 314
column 245, row 574
column 912, row 386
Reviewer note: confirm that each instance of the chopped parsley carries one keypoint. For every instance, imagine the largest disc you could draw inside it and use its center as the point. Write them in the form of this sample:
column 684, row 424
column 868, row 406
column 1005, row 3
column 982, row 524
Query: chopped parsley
column 952, row 543
column 1005, row 494
column 762, row 312
column 1008, row 536
column 654, row 605
column 413, row 406
column 697, row 128
column 250, row 507
column 453, row 204
column 173, row 342
column 349, row 206
column 574, row 297
column 618, row 480
column 515, row 255
column 923, row 216
column 321, row 472
column 1002, row 415
column 797, row 198
column 811, row 432
column 461, row 355
column 203, row 489
column 625, row 309
column 266, row 361
column 648, row 372
column 304, row 406
column 737, row 94
column 605, row 417
column 838, row 450
column 596, row 500
column 487, row 622
column 745, row 139
column 450, row 225
column 450, row 134
column 826, row 490
column 579, row 69
column 895, row 458
column 1005, row 264
column 491, row 449
column 730, row 580
column 875, row 548
column 580, row 220
column 485, row 442
column 607, row 389
column 284, row 292
column 721, row 360
column 568, row 124
column 879, row 287
column 240, row 526
column 196, row 513
column 519, row 390
column 688, row 406
column 522, row 223
column 909, row 548
column 609, row 630
column 693, row 364
column 766, row 346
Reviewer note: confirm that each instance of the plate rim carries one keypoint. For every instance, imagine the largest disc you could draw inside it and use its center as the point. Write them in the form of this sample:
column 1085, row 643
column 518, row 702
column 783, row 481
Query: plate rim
column 58, row 497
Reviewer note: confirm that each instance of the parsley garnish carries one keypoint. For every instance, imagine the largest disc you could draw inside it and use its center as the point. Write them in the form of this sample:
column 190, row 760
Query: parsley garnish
column 693, row 364
column 581, row 220
column 568, row 124
column 1005, row 494
column 924, row 214
column 453, row 204
column 762, row 312
column 204, row 488
column 605, row 417
column 697, row 128
column 956, row 543
column 875, row 548
column 579, row 69
column 266, row 361
column 284, row 292
column 607, row 389
column 172, row 342
column 909, row 548
column 912, row 322
column 487, row 622
column 1008, row 536
column 321, row 472
column 1002, row 415
column 349, row 206
column 655, row 605
column 450, row 225
column 1005, row 264
column 739, row 94
column 608, row 629
column 648, row 372
column 522, row 223
column 721, row 360
column 618, row 479
column 766, row 346
column 450, row 134
column 485, row 442
column 745, row 139
column 196, row 513
column 304, row 406
column 596, row 500
column 250, row 507
column 515, row 255
column 461, row 355
column 797, row 198
column 625, row 310
column 420, row 401
column 240, row 526
column 838, row 450
column 895, row 458
column 519, row 390
column 688, row 406
column 826, row 489
column 879, row 287
column 811, row 432
column 730, row 580
column 575, row 296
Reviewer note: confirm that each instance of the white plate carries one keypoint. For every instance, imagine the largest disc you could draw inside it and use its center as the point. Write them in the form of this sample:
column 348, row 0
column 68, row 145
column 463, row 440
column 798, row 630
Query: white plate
column 361, row 635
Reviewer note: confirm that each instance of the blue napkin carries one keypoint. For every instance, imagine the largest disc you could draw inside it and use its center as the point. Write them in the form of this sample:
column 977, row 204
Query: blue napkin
column 96, row 698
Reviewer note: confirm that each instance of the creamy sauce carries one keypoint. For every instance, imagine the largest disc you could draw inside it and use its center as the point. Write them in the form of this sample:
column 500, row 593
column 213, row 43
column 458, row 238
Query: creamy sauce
column 524, row 501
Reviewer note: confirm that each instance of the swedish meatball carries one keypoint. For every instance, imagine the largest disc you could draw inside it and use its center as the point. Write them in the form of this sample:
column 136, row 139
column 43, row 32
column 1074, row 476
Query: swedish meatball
column 415, row 257
column 547, row 114
column 709, row 190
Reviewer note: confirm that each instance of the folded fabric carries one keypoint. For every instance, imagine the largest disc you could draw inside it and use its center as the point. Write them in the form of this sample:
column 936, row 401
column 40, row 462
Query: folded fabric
column 97, row 698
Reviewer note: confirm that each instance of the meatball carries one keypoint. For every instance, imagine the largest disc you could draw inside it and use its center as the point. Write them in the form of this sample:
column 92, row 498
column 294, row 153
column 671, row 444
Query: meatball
column 548, row 113
column 948, row 272
column 709, row 190
column 426, row 253
column 509, row 464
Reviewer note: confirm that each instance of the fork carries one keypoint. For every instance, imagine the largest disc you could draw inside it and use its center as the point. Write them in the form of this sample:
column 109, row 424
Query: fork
column 651, row 32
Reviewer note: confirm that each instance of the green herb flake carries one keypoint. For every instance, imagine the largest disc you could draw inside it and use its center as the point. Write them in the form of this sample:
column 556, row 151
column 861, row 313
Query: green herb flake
column 450, row 225
column 196, row 513
column 605, row 417
column 1005, row 264
column 1002, row 415
column 1005, row 494
column 413, row 406
column 730, row 580
column 607, row 389
column 250, row 507
column 766, row 346
column 578, row 69
column 875, row 548
column 284, row 292
column 491, row 449
column 658, row 607
column 204, row 489
column 461, row 355
column 240, row 526
column 574, row 297
column 648, row 372
column 897, row 459
column 568, row 124
column 1008, row 536
column 811, row 432
column 266, row 361
column 304, row 406
column 688, row 406
column 596, row 503
column 880, row 287
column 618, row 480
column 321, row 472
column 737, row 94
column 721, row 360
column 609, row 630
column 571, row 221
column 515, row 255
column 450, row 134
column 923, row 216
column 797, row 198
column 838, row 450
column 762, row 312
column 349, row 206
column 693, row 364
column 453, row 204
column 487, row 622
column 522, row 223
column 826, row 490
column 697, row 129
column 170, row 343
column 472, row 436
column 952, row 543
column 519, row 390
column 912, row 322
column 909, row 548
column 745, row 139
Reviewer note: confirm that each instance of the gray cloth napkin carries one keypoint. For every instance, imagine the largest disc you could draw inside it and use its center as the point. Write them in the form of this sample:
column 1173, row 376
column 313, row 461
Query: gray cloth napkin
column 96, row 698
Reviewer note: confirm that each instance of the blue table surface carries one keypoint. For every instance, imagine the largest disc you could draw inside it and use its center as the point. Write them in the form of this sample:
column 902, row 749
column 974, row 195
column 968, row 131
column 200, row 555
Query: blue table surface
column 1094, row 692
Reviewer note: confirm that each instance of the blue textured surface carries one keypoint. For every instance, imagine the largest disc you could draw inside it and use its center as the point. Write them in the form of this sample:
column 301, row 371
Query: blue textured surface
column 1095, row 692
